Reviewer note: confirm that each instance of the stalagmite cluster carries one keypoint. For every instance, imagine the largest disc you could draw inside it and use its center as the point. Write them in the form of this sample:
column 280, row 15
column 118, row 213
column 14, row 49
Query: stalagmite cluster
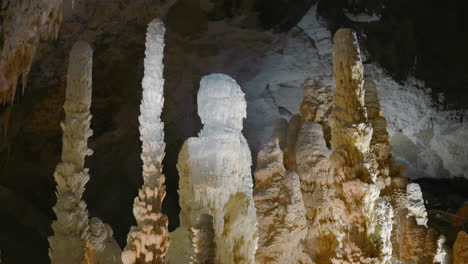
column 68, row 243
column 281, row 215
column 327, row 189
column 148, row 242
column 25, row 22
column 355, row 171
column 215, row 178
column 358, row 208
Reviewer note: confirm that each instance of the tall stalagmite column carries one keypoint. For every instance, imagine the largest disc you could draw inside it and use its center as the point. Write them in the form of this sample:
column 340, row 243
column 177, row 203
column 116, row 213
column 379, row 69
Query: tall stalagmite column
column 148, row 242
column 215, row 178
column 367, row 217
column 68, row 243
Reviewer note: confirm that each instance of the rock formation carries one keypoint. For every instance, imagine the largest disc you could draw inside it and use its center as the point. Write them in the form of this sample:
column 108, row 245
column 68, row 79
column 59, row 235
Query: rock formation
column 68, row 243
column 281, row 214
column 204, row 247
column 367, row 217
column 148, row 242
column 412, row 240
column 25, row 22
column 317, row 186
column 215, row 177
column 102, row 248
column 380, row 142
column 460, row 249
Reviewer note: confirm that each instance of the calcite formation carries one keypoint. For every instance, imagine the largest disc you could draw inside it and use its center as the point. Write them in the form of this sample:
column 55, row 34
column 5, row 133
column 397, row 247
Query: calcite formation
column 367, row 218
column 412, row 240
column 204, row 247
column 215, row 177
column 25, row 23
column 281, row 214
column 68, row 243
column 319, row 194
column 148, row 241
column 340, row 149
column 101, row 247
column 380, row 142
column 460, row 249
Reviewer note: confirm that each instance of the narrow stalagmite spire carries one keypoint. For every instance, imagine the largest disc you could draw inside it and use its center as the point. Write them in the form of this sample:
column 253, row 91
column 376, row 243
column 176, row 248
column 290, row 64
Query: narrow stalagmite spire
column 68, row 243
column 148, row 241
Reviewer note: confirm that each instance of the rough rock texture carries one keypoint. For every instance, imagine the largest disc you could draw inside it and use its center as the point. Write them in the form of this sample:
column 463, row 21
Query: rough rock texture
column 216, row 181
column 314, row 169
column 291, row 137
column 413, row 241
column 351, row 137
column 68, row 243
column 204, row 247
column 460, row 249
column 380, row 142
column 281, row 214
column 25, row 22
column 316, row 103
column 102, row 247
column 148, row 242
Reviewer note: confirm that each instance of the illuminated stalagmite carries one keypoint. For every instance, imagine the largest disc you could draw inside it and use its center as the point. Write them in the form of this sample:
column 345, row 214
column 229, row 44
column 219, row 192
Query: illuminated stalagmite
column 215, row 177
column 68, row 243
column 148, row 242
column 281, row 215
column 364, row 216
column 25, row 22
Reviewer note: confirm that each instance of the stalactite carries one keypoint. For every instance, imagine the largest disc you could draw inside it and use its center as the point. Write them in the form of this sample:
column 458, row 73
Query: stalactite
column 25, row 23
column 215, row 177
column 282, row 225
column 149, row 240
column 68, row 243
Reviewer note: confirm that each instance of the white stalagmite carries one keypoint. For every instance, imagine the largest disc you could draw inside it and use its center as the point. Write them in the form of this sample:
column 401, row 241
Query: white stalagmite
column 148, row 241
column 215, row 177
column 25, row 22
column 67, row 245
column 281, row 214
